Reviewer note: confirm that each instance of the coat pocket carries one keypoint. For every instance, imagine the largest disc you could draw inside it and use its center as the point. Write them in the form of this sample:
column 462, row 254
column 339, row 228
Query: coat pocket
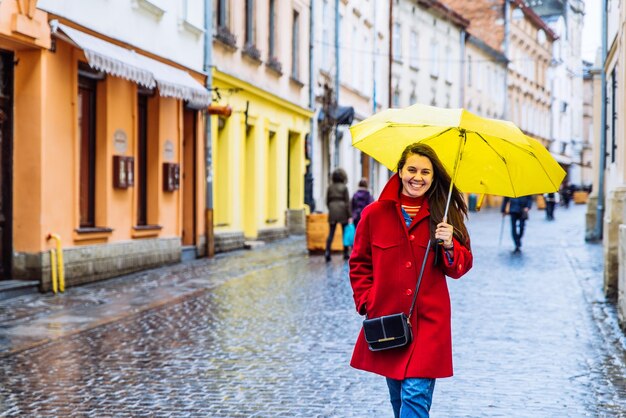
column 384, row 245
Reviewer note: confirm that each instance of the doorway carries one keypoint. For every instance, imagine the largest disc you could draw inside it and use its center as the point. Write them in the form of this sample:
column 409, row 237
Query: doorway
column 189, row 177
column 6, row 168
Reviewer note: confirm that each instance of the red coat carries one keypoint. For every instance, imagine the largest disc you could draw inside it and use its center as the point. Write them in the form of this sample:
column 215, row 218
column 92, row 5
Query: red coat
column 384, row 267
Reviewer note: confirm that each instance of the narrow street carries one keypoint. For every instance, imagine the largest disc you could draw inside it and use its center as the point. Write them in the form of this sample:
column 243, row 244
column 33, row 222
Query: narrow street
column 269, row 333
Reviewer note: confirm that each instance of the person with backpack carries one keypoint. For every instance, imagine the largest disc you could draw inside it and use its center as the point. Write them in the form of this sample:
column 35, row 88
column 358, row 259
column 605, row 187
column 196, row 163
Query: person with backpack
column 361, row 198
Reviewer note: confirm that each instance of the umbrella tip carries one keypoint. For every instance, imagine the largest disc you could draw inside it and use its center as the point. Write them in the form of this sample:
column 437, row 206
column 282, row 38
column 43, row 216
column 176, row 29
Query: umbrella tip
column 479, row 204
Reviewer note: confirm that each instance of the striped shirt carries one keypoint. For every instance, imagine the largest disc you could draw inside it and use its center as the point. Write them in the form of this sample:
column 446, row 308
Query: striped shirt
column 411, row 205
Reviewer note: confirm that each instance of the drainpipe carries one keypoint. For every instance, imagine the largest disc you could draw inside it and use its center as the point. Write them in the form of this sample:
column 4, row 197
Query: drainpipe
column 597, row 231
column 208, row 151
column 312, row 131
column 336, row 156
column 374, row 59
column 462, row 84
column 390, row 93
column 56, row 264
column 505, row 46
column 370, row 174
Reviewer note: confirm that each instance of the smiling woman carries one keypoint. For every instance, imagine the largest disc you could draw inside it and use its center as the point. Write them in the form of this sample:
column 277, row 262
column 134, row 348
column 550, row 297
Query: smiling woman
column 394, row 252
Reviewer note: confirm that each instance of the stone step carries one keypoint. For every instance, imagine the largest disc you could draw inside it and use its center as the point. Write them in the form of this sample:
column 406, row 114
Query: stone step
column 13, row 288
column 188, row 253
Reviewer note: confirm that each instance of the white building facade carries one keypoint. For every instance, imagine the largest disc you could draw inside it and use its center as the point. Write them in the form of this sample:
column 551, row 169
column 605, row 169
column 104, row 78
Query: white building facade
column 566, row 86
column 428, row 41
column 350, row 67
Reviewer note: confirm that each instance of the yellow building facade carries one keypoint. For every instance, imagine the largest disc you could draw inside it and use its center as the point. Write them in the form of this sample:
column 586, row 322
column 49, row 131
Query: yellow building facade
column 259, row 148
column 258, row 162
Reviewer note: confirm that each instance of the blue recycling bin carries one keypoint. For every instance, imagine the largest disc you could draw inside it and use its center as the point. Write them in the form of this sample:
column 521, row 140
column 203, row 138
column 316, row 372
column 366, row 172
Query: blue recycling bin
column 471, row 204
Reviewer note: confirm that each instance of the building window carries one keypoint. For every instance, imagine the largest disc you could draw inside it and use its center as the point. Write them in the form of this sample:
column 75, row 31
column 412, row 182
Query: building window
column 222, row 13
column 354, row 67
column 250, row 22
column 325, row 37
column 413, row 53
column 87, row 154
column 448, row 64
column 272, row 40
column 397, row 41
column 221, row 20
column 469, row 70
column 295, row 43
column 366, row 76
column 434, row 59
column 193, row 12
column 396, row 96
column 249, row 46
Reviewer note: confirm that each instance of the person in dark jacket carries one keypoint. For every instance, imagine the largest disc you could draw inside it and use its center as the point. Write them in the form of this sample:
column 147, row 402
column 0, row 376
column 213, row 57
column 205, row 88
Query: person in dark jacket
column 338, row 202
column 550, row 199
column 361, row 198
column 518, row 209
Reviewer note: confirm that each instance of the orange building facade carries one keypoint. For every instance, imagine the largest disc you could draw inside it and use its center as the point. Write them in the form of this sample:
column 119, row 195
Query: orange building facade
column 101, row 146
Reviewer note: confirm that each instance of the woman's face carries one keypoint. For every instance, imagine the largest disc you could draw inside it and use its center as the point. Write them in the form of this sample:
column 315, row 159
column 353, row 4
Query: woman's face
column 416, row 175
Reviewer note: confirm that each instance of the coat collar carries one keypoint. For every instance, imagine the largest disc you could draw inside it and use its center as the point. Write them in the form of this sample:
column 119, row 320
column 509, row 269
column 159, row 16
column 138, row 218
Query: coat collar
column 391, row 192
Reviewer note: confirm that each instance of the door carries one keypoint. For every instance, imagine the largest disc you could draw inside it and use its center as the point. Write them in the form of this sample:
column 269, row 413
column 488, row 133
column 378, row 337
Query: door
column 6, row 169
column 189, row 177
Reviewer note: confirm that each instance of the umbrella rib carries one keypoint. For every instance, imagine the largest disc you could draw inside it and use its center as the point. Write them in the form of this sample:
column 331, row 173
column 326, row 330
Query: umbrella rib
column 436, row 135
column 502, row 158
column 524, row 150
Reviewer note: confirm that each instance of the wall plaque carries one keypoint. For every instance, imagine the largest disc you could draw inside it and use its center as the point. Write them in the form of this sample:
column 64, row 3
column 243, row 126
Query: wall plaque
column 168, row 150
column 120, row 141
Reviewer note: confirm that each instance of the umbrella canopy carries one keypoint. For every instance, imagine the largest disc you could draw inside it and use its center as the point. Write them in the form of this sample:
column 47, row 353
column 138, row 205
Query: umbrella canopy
column 482, row 155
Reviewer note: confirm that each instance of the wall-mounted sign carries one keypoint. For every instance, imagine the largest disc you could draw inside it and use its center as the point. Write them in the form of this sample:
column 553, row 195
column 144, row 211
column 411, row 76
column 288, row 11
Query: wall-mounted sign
column 120, row 141
column 168, row 150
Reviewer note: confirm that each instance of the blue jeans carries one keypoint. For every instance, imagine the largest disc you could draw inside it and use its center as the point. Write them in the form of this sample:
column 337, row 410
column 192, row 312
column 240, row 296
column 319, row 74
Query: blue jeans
column 517, row 228
column 412, row 397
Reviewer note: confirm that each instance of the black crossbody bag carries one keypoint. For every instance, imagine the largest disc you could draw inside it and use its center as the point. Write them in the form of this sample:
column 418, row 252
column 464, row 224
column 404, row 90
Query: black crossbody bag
column 392, row 331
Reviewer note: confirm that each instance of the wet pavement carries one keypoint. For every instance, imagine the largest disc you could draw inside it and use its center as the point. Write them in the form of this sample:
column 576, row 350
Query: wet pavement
column 269, row 333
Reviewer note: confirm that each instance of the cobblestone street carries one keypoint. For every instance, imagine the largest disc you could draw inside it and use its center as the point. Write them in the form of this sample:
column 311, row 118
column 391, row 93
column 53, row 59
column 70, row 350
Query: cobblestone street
column 269, row 333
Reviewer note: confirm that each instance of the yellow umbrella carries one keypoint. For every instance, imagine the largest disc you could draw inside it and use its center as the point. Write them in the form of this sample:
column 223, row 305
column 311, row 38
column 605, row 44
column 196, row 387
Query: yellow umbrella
column 482, row 155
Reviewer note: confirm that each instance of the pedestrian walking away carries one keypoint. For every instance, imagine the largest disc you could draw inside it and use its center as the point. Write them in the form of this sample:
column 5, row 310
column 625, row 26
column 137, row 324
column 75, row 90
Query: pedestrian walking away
column 550, row 199
column 565, row 192
column 360, row 200
column 518, row 208
column 389, row 249
column 338, row 202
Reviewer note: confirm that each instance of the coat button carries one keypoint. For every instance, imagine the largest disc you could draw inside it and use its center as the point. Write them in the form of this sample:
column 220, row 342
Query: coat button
column 411, row 237
column 409, row 292
column 408, row 264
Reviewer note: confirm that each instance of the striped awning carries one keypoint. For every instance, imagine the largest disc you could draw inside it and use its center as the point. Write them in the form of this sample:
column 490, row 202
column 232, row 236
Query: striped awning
column 129, row 65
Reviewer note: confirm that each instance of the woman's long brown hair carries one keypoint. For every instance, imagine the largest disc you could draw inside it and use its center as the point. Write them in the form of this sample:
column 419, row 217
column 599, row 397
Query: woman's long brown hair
column 438, row 193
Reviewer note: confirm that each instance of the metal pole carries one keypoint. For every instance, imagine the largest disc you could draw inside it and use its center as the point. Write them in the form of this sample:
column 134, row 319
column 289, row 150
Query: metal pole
column 462, row 140
column 507, row 29
column 208, row 151
column 337, row 74
column 597, row 231
column 462, row 83
column 390, row 91
column 370, row 174
column 309, row 178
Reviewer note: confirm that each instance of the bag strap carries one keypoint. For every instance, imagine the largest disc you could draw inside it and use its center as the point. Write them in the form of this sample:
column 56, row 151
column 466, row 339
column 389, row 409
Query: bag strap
column 419, row 280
